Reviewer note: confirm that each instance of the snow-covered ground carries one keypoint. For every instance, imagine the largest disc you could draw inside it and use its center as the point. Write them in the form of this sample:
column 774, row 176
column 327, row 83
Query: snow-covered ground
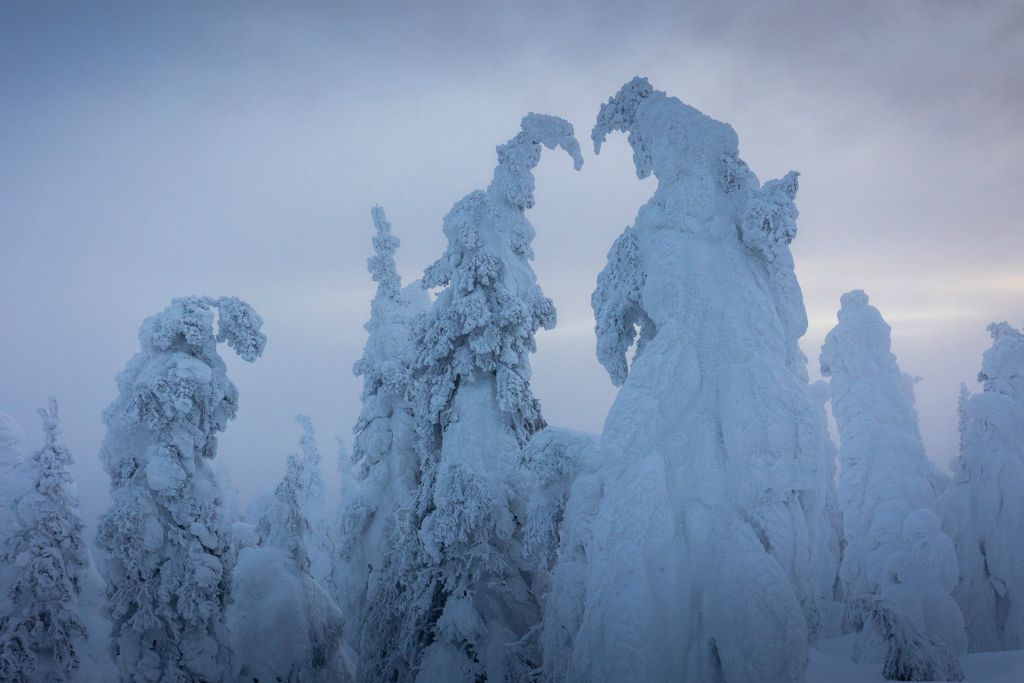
column 830, row 662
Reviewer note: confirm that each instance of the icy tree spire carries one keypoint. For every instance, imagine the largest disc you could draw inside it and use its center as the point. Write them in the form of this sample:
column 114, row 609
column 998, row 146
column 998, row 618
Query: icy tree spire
column 885, row 481
column 165, row 534
column 314, row 507
column 381, row 474
column 713, row 459
column 453, row 605
column 382, row 264
column 41, row 620
column 982, row 509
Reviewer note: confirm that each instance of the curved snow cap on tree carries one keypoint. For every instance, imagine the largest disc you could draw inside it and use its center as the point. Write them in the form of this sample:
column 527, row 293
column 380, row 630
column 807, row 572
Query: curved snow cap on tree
column 698, row 158
column 513, row 179
column 382, row 264
column 187, row 325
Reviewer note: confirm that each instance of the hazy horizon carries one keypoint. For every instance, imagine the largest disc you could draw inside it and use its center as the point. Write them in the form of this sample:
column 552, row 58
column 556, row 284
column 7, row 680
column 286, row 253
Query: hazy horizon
column 148, row 153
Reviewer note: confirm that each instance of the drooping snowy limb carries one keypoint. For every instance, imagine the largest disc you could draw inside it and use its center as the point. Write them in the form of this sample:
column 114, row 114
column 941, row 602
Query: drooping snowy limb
column 885, row 479
column 41, row 629
column 911, row 654
column 165, row 534
column 381, row 475
column 715, row 449
column 453, row 602
column 982, row 509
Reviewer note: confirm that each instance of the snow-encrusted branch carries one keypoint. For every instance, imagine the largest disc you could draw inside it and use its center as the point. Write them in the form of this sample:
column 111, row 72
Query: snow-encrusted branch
column 619, row 113
column 513, row 178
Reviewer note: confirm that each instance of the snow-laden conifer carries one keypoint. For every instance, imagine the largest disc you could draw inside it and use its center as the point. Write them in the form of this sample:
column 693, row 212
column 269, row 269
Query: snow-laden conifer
column 455, row 603
column 314, row 506
column 982, row 509
column 165, row 535
column 285, row 624
column 886, row 490
column 41, row 629
column 713, row 458
column 382, row 475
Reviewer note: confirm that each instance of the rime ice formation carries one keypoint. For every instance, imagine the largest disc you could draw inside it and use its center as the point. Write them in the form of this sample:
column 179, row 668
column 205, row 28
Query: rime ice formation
column 454, row 604
column 894, row 544
column 383, row 475
column 165, row 534
column 982, row 509
column 713, row 457
column 41, row 628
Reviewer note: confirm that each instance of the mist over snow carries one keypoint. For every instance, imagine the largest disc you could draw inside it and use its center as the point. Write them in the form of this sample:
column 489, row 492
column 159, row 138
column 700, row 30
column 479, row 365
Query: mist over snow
column 613, row 415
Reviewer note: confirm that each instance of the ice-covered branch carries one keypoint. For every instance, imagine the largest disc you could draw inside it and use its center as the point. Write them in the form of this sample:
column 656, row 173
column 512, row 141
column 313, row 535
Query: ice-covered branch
column 619, row 113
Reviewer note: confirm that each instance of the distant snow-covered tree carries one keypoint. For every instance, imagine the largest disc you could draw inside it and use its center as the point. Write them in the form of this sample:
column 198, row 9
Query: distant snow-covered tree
column 885, row 479
column 314, row 506
column 982, row 509
column 11, row 482
column 285, row 624
column 41, row 630
column 378, row 481
column 697, row 528
column 165, row 535
column 454, row 604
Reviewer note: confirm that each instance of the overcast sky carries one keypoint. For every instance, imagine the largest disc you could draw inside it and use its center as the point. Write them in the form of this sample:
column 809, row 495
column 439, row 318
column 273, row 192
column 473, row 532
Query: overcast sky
column 236, row 149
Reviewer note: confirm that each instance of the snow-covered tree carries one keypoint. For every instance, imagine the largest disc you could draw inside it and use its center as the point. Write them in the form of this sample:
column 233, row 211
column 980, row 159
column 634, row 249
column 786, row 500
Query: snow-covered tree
column 382, row 475
column 982, row 509
column 11, row 483
column 41, row 630
column 165, row 534
column 285, row 624
column 454, row 603
column 713, row 473
column 314, row 506
column 886, row 489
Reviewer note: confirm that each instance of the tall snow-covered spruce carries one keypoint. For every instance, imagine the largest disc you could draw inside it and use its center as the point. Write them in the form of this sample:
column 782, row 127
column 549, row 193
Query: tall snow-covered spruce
column 713, row 470
column 454, row 605
column 165, row 534
column 384, row 472
column 982, row 509
column 895, row 547
column 41, row 630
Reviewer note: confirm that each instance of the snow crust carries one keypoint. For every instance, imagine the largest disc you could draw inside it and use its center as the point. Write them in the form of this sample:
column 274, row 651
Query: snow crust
column 714, row 459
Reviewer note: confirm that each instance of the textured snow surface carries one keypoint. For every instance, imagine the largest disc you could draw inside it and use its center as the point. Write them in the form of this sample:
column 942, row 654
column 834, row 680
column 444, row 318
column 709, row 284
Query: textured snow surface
column 983, row 509
column 714, row 471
